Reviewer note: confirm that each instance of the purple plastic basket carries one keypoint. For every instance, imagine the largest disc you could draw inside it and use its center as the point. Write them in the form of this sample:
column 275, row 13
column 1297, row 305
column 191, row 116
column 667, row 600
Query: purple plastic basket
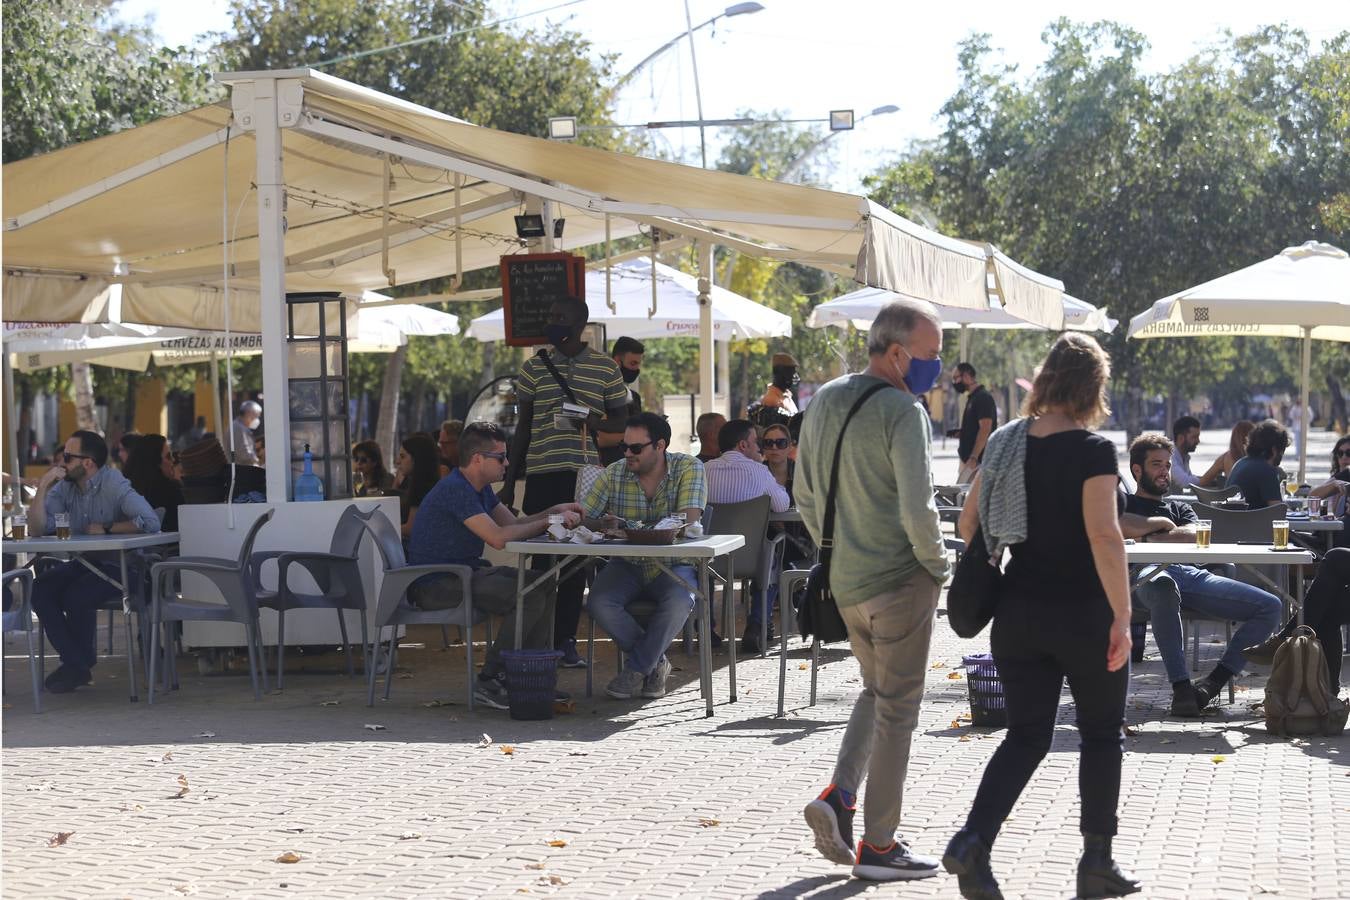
column 988, row 709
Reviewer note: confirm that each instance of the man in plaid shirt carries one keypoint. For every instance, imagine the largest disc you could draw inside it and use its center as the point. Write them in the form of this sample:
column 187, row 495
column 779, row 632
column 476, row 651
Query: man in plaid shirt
column 647, row 485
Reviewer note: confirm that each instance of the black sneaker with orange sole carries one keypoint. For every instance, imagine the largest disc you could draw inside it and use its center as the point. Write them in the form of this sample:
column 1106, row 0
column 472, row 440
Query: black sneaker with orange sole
column 832, row 823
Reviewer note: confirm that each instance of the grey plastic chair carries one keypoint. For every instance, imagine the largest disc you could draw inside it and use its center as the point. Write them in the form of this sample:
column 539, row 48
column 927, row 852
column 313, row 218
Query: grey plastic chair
column 24, row 579
column 1214, row 495
column 787, row 583
column 759, row 559
column 394, row 608
column 337, row 574
column 233, row 578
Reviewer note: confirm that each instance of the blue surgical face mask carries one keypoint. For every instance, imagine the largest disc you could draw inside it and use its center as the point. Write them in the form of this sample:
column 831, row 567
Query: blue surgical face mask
column 922, row 374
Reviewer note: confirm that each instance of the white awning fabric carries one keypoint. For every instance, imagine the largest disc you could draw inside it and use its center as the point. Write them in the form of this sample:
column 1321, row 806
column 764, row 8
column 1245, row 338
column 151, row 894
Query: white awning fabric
column 676, row 312
column 859, row 308
column 380, row 192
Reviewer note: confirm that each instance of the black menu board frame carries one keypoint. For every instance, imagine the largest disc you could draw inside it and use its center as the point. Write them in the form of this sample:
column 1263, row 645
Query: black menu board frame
column 531, row 284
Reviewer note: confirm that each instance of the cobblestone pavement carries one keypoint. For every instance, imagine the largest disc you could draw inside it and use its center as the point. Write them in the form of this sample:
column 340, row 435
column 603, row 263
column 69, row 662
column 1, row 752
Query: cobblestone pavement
column 618, row 799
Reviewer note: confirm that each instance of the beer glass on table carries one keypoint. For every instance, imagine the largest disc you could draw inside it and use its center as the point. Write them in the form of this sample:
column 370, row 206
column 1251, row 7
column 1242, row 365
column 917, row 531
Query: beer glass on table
column 1204, row 529
column 1281, row 534
column 18, row 527
column 63, row 526
column 1290, row 487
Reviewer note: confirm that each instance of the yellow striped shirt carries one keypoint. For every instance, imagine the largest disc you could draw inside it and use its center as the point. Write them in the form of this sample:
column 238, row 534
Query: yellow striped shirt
column 595, row 380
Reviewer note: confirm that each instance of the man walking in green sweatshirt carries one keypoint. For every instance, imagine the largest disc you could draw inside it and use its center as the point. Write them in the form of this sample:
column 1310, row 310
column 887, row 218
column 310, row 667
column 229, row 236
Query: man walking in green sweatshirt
column 887, row 568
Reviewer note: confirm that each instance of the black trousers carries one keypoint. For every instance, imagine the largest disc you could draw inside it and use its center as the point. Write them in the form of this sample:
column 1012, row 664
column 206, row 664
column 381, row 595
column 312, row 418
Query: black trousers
column 1037, row 643
column 1327, row 607
column 542, row 491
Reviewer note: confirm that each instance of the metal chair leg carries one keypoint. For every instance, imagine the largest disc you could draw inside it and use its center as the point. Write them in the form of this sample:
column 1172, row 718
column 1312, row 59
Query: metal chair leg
column 365, row 640
column 373, row 666
column 249, row 638
column 815, row 665
column 445, row 637
column 346, row 646
column 281, row 646
column 32, row 660
column 468, row 651
column 112, row 623
column 393, row 660
column 154, row 660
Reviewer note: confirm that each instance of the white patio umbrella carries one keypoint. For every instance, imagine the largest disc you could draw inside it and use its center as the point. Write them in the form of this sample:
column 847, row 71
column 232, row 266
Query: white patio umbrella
column 1303, row 292
column 673, row 312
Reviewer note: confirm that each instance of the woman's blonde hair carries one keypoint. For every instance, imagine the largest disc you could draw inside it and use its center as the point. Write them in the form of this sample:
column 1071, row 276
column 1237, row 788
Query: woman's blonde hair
column 1072, row 379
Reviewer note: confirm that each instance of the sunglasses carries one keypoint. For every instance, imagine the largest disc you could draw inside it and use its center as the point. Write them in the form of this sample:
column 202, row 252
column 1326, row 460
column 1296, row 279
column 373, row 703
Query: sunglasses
column 635, row 449
column 69, row 456
column 499, row 457
column 777, row 443
column 1345, row 452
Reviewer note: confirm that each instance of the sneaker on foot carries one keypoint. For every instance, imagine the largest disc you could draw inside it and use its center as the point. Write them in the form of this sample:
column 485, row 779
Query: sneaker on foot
column 654, row 685
column 626, row 685
column 893, row 863
column 570, row 658
column 68, row 678
column 491, row 692
column 831, row 821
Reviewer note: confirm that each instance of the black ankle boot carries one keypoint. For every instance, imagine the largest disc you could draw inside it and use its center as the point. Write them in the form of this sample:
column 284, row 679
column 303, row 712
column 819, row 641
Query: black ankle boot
column 1098, row 874
column 967, row 858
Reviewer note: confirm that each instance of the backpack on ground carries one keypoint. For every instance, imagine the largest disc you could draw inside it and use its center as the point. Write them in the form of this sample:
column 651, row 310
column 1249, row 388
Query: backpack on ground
column 1299, row 699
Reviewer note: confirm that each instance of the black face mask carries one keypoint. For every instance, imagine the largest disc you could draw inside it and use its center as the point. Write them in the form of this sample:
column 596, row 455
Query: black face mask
column 959, row 387
column 557, row 335
column 785, row 377
column 629, row 375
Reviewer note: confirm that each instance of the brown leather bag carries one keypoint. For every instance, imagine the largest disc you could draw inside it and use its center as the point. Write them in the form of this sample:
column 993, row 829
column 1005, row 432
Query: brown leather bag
column 1299, row 699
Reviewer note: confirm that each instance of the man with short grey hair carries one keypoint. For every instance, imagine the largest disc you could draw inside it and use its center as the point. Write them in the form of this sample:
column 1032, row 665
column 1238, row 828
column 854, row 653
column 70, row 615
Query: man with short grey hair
column 250, row 414
column 888, row 565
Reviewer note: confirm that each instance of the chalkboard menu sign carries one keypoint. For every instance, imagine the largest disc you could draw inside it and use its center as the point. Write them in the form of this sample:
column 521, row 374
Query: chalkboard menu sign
column 531, row 284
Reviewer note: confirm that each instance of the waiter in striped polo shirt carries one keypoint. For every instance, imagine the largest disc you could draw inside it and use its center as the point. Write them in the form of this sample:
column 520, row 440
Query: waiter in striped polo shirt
column 549, row 446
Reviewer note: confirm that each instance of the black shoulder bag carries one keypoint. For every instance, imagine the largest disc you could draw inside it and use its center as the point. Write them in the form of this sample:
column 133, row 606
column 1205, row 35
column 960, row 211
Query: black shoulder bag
column 819, row 614
column 973, row 594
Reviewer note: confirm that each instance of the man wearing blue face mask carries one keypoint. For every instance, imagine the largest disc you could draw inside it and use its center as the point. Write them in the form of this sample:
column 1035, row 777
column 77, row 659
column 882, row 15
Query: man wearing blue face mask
column 888, row 565
column 550, row 446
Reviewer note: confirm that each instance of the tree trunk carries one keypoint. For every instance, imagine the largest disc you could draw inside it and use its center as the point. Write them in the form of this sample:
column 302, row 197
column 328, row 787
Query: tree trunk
column 1339, row 419
column 385, row 429
column 83, row 380
column 129, row 409
column 418, row 419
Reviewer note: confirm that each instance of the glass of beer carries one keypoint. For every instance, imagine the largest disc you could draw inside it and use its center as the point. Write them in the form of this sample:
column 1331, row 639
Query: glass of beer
column 18, row 527
column 1281, row 534
column 1291, row 487
column 1203, row 531
column 63, row 526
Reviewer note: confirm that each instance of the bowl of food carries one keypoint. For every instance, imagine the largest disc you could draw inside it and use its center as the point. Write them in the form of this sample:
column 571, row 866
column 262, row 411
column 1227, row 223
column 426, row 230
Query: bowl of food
column 661, row 533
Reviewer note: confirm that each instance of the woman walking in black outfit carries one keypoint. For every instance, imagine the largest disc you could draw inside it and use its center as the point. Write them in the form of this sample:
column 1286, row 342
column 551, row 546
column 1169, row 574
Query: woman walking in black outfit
column 1063, row 612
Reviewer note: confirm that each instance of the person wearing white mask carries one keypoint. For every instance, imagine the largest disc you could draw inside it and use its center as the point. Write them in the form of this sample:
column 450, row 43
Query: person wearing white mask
column 250, row 414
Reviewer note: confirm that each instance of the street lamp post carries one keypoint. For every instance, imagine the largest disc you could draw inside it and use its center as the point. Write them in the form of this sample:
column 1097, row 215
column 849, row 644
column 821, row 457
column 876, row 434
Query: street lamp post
column 736, row 9
column 796, row 165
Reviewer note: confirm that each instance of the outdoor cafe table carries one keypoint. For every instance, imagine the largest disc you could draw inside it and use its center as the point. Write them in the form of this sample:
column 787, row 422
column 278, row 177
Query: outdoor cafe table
column 576, row 556
column 1156, row 557
column 78, row 545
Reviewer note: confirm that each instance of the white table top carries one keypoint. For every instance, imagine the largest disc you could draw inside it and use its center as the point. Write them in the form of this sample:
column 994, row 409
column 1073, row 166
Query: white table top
column 90, row 543
column 704, row 548
column 1189, row 554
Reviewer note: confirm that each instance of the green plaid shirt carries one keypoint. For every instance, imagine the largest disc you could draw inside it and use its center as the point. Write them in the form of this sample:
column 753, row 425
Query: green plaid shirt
column 619, row 493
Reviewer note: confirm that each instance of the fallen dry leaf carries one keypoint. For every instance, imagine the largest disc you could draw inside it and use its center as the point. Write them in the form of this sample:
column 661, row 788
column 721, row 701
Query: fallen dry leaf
column 330, row 702
column 182, row 788
column 432, row 704
column 956, row 723
column 963, row 738
column 410, row 836
column 486, row 741
column 938, row 665
column 551, row 879
column 1167, row 741
column 537, row 865
column 59, row 839
column 578, row 753
column 709, row 823
column 187, row 890
column 1218, row 759
column 205, row 734
column 1130, row 732
column 129, row 807
column 290, row 856
column 803, row 666
column 403, row 676
column 556, row 843
column 167, row 757
column 370, row 727
column 953, row 676
column 508, row 750
column 41, row 786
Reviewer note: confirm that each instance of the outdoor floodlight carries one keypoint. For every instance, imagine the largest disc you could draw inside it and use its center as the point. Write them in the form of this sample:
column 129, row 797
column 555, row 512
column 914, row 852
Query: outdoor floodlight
column 558, row 228
column 742, row 9
column 562, row 128
column 884, row 110
column 530, row 225
column 841, row 120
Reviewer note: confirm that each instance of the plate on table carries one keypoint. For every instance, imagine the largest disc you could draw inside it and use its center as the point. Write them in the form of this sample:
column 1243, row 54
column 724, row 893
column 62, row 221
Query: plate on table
column 1285, row 549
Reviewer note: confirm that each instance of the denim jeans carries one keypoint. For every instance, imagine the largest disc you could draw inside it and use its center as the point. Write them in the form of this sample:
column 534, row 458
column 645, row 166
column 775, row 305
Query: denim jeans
column 617, row 586
column 1198, row 591
column 66, row 599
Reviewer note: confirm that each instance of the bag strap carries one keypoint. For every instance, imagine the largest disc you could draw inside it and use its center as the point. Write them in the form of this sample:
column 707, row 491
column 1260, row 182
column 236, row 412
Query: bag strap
column 827, row 527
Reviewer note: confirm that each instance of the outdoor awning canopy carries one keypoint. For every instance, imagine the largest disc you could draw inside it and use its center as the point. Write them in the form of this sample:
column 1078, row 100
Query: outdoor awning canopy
column 858, row 308
column 378, row 189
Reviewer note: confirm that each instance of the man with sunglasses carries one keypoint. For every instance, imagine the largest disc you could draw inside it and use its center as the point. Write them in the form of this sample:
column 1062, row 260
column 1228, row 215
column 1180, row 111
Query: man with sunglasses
column 99, row 500
column 456, row 519
column 650, row 484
